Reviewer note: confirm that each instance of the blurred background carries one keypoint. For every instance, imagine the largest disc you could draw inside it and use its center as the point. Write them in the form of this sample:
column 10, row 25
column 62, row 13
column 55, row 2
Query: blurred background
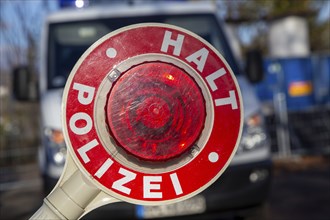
column 293, row 37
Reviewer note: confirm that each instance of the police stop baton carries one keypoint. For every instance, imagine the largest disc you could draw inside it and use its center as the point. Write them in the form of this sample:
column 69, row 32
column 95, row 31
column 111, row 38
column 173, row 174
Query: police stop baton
column 152, row 114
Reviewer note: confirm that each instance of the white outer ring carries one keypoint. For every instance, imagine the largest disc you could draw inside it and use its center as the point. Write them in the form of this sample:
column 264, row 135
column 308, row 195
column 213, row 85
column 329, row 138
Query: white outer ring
column 117, row 152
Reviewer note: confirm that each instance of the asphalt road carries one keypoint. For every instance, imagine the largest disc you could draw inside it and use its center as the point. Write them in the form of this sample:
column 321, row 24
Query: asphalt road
column 300, row 190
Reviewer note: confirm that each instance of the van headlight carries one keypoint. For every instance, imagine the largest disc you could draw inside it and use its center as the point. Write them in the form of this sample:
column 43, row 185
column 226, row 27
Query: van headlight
column 254, row 134
column 55, row 146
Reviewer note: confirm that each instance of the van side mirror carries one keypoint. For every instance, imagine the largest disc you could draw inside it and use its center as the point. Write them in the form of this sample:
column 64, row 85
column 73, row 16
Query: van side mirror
column 24, row 87
column 254, row 66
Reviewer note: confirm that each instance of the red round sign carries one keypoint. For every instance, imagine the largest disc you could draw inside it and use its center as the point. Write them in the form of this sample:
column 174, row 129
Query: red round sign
column 152, row 113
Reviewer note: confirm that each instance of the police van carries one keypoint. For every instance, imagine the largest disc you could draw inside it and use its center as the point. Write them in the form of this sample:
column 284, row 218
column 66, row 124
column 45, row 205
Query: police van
column 240, row 192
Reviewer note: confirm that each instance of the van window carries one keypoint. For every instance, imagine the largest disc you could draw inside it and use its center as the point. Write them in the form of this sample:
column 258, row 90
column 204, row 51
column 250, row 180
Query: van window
column 69, row 40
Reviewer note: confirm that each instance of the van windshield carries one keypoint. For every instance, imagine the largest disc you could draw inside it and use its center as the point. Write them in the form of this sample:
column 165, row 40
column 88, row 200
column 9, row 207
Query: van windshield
column 69, row 40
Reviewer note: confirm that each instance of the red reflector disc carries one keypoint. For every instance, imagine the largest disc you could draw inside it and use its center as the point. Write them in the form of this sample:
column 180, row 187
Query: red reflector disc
column 155, row 111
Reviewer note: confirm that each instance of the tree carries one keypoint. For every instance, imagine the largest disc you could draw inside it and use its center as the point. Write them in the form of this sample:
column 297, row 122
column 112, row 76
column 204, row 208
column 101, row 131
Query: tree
column 20, row 29
column 253, row 15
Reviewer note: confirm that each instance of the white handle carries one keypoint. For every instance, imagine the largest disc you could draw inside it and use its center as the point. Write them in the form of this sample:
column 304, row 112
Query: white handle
column 72, row 197
column 47, row 212
column 68, row 200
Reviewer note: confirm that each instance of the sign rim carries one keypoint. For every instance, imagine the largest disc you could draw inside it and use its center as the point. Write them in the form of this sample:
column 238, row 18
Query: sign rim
column 68, row 140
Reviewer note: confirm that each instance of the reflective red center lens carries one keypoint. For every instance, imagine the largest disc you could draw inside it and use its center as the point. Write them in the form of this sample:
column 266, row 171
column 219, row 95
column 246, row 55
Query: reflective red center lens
column 155, row 111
